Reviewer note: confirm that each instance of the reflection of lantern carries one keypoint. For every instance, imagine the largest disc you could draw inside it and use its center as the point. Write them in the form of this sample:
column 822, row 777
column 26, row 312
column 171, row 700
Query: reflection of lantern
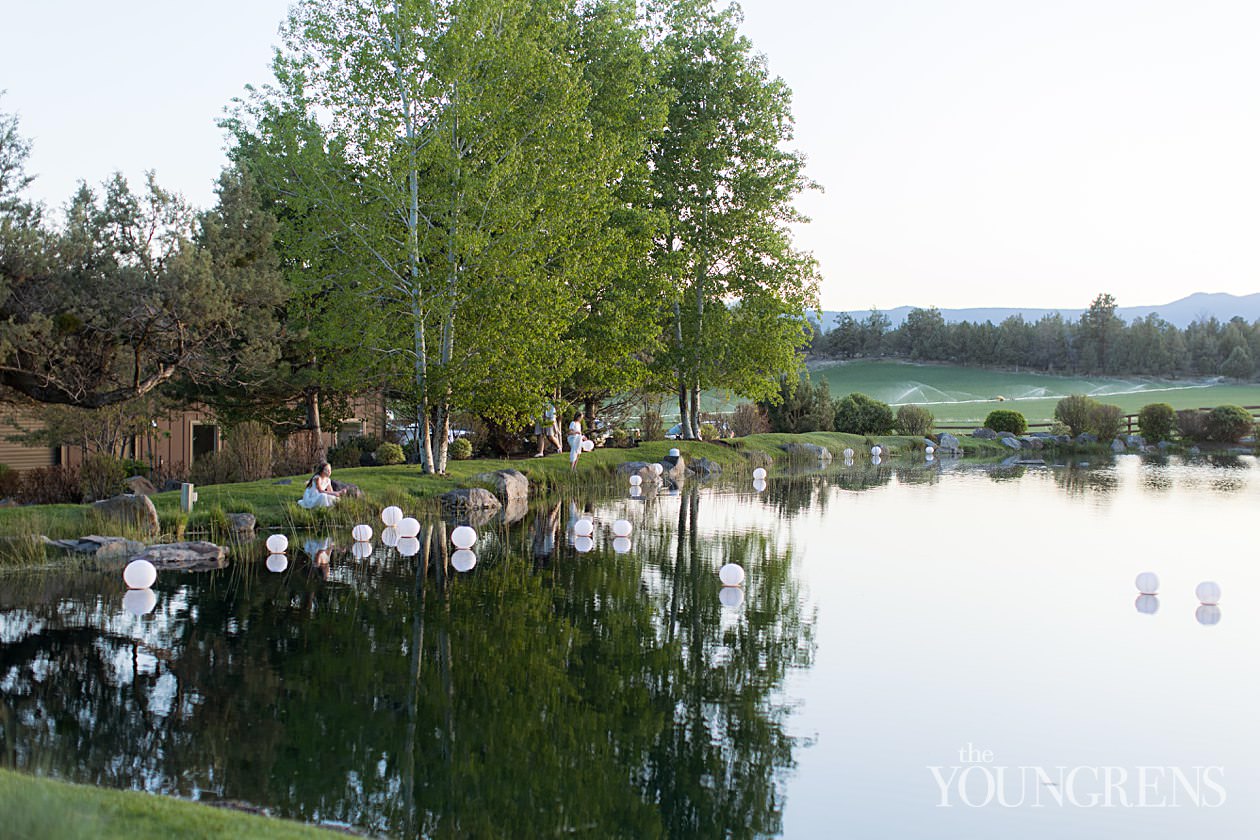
column 930, row 458
column 1208, row 614
column 390, row 537
column 139, row 574
column 583, row 528
column 732, row 574
column 139, row 601
column 759, row 473
column 361, row 533
column 408, row 546
column 409, row 527
column 1147, row 604
column 463, row 560
column 463, row 537
column 635, row 480
column 361, row 550
column 1208, row 592
column 659, row 469
column 759, row 485
column 876, row 460
column 391, row 516
column 622, row 527
column 673, row 453
column 731, row 596
column 277, row 563
column 848, row 454
column 583, row 544
column 621, row 545
column 1147, row 583
column 636, row 492
column 277, row 543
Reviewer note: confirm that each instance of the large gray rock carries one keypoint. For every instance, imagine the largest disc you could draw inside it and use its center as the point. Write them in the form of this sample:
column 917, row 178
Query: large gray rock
column 1011, row 442
column 242, row 525
column 349, row 490
column 140, row 486
column 1004, row 435
column 1136, row 441
column 470, row 498
column 1031, row 442
column 984, row 433
column 133, row 511
column 197, row 556
column 1086, row 438
column 102, row 548
column 1117, row 445
column 806, row 451
column 949, row 444
column 510, row 486
column 705, row 468
column 675, row 468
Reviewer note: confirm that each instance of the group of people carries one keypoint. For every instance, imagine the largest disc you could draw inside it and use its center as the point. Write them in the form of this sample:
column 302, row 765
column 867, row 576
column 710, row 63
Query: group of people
column 547, row 430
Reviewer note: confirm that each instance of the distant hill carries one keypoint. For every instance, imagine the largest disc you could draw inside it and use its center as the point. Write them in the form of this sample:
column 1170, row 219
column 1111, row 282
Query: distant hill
column 1180, row 312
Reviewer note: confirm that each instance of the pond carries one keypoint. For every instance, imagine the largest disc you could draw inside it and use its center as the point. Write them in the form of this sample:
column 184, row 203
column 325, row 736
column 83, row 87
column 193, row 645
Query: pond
column 924, row 651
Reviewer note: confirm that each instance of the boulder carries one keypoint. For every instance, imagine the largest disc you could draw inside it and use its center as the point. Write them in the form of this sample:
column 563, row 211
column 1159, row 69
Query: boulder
column 510, row 486
column 283, row 482
column 1005, row 435
column 1136, row 441
column 949, row 444
column 807, row 451
column 196, row 556
column 705, row 468
column 132, row 511
column 675, row 468
column 140, row 486
column 1117, row 445
column 640, row 468
column 1086, row 438
column 242, row 525
column 350, row 490
column 171, row 484
column 102, row 548
column 1011, row 442
column 984, row 433
column 470, row 498
column 1030, row 442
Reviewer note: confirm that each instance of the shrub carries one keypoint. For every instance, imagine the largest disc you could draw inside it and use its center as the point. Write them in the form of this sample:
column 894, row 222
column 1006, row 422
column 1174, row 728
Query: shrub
column 298, row 453
column 101, row 476
column 1157, row 421
column 346, row 454
column 9, row 481
column 859, row 414
column 213, row 468
column 1192, row 424
column 803, row 407
column 749, row 419
column 619, row 438
column 651, row 426
column 389, row 453
column 709, row 431
column 461, row 449
column 913, row 420
column 50, row 486
column 1075, row 412
column 1106, row 420
column 1006, row 420
column 133, row 467
column 1229, row 423
column 251, row 446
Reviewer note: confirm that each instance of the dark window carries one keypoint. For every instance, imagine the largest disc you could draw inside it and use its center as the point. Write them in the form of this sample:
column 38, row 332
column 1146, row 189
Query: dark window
column 204, row 437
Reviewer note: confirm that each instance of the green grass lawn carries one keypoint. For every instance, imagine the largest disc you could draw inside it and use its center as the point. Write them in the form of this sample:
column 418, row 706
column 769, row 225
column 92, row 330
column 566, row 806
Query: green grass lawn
column 37, row 808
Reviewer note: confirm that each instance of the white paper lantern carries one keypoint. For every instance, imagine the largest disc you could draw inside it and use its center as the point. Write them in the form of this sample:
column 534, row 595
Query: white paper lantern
column 588, row 445
column 408, row 546
column 621, row 545
column 361, row 550
column 876, row 460
column 1208, row 615
column 848, row 454
column 636, row 480
column 139, row 601
column 583, row 528
column 732, row 574
column 1147, row 583
column 759, row 473
column 583, row 544
column 277, row 543
column 1147, row 604
column 361, row 533
column 390, row 537
column 277, row 563
column 1208, row 592
column 731, row 596
column 622, row 528
column 759, row 485
column 929, row 449
column 659, row 469
column 463, row 560
column 408, row 527
column 391, row 516
column 139, row 574
column 876, row 450
column 674, row 453
column 636, row 492
column 463, row 537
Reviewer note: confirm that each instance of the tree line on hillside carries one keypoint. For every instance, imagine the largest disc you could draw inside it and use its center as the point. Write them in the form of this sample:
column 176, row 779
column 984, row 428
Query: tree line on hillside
column 472, row 206
column 1099, row 342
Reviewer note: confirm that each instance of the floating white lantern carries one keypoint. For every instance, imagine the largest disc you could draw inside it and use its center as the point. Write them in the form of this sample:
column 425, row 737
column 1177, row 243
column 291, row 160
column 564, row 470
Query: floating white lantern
column 391, row 516
column 390, row 537
column 636, row 492
column 409, row 527
column 674, row 453
column 1208, row 592
column 464, row 560
column 139, row 601
column 759, row 473
column 361, row 533
column 759, row 485
column 588, row 445
column 659, row 469
column 1147, row 583
column 463, row 537
column 731, row 596
column 583, row 528
column 732, row 574
column 848, row 454
column 621, row 545
column 929, row 449
column 1208, row 615
column 1147, row 604
column 408, row 546
column 277, row 543
column 636, row 480
column 876, row 450
column 277, row 563
column 139, row 574
column 583, row 544
column 361, row 550
column 622, row 528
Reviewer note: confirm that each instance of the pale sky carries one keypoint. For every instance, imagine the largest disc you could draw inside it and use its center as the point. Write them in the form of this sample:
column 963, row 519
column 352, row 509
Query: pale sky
column 973, row 152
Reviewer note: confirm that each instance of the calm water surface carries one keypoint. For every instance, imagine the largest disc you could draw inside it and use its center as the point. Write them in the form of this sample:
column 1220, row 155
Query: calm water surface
column 920, row 652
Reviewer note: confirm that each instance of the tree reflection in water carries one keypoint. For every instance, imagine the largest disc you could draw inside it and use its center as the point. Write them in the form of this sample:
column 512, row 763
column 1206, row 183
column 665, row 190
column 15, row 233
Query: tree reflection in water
column 546, row 692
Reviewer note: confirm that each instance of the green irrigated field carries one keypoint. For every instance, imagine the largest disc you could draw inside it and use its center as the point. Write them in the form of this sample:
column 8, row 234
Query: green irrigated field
column 966, row 395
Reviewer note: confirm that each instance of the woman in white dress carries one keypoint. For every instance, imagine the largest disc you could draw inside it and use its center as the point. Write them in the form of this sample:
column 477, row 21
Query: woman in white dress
column 319, row 490
column 575, row 441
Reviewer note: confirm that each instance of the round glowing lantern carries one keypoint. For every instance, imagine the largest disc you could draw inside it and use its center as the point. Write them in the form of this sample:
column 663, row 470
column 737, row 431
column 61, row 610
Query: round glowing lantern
column 1208, row 593
column 391, row 516
column 674, row 453
column 622, row 528
column 848, row 454
column 759, row 473
column 1147, row 583
column 463, row 537
column 139, row 574
column 636, row 480
column 409, row 527
column 277, row 543
column 732, row 574
column 588, row 446
column 361, row 533
column 583, row 528
column 659, row 469
column 877, row 450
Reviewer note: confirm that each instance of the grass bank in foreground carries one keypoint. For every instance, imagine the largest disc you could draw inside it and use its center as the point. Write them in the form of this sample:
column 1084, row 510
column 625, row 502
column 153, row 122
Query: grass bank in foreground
column 275, row 504
column 35, row 807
